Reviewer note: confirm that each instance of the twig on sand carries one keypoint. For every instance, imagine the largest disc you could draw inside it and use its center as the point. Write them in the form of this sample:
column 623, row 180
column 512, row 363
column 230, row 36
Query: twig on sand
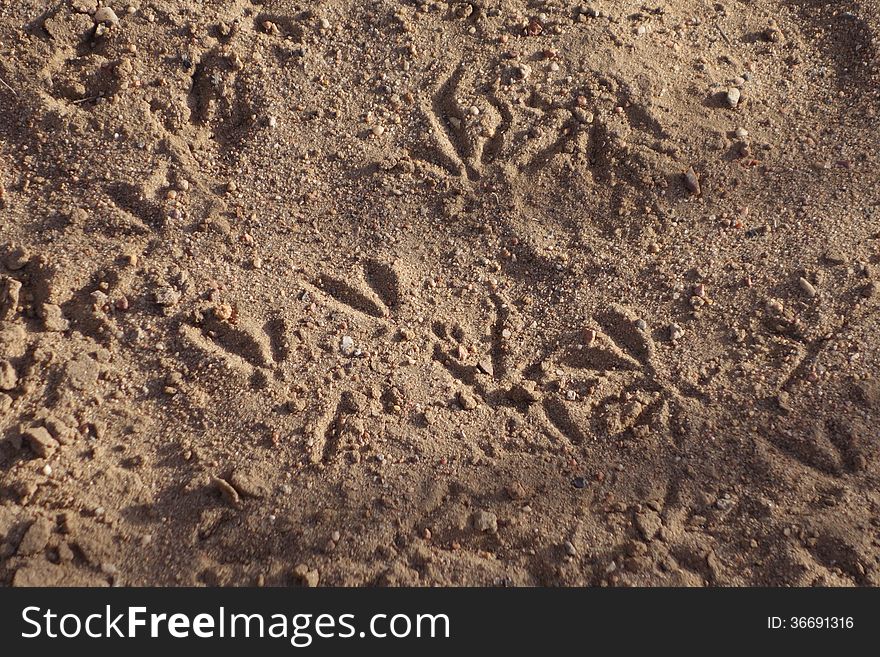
column 8, row 86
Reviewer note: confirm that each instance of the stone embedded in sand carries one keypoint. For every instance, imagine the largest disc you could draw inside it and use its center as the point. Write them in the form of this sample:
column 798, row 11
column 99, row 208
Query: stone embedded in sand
column 485, row 521
column 40, row 441
column 807, row 287
column 227, row 492
column 53, row 318
column 8, row 376
column 106, row 15
column 692, row 181
column 166, row 296
column 485, row 366
column 346, row 345
column 675, row 332
column 306, row 576
column 732, row 97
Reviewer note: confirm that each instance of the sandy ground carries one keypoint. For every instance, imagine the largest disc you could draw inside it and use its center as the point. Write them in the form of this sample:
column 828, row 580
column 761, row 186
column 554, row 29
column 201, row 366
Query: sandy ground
column 397, row 292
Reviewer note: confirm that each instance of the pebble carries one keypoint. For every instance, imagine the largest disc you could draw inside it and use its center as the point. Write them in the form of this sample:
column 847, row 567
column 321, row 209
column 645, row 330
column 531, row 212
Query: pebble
column 589, row 336
column 579, row 482
column 166, row 296
column 741, row 133
column 306, row 576
column 485, row 366
column 569, row 548
column 692, row 181
column 346, row 345
column 485, row 521
column 106, row 15
column 807, row 287
column 675, row 332
column 733, row 97
column 227, row 492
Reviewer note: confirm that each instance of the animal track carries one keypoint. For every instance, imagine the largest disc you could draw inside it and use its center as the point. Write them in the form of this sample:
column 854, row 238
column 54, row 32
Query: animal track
column 375, row 292
column 239, row 341
column 627, row 387
column 619, row 387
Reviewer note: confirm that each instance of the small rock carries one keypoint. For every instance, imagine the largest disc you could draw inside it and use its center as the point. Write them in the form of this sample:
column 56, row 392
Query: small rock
column 227, row 492
column 166, row 296
column 783, row 400
column 40, row 441
column 485, row 366
column 524, row 393
column 35, row 538
column 692, row 181
column 807, row 287
column 306, row 576
column 8, row 376
column 106, row 15
column 675, row 332
column 467, row 401
column 733, row 97
column 346, row 345
column 485, row 521
column 579, row 482
column 53, row 318
column 569, row 548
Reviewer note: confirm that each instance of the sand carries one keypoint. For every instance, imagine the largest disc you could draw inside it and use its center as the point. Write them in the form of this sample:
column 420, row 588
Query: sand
column 429, row 293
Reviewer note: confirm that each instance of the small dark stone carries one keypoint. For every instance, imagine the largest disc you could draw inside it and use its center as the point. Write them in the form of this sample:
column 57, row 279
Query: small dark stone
column 579, row 482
